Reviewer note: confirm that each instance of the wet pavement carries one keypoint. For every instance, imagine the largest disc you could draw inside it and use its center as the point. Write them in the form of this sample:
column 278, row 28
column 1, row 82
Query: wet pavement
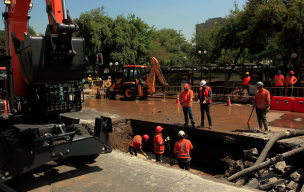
column 163, row 110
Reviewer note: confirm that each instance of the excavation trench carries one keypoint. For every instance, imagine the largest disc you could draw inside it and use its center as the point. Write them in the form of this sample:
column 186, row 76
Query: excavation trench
column 214, row 153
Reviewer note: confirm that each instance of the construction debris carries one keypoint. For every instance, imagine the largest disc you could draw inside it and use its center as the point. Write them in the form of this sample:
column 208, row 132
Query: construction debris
column 297, row 175
column 251, row 153
column 280, row 166
column 292, row 185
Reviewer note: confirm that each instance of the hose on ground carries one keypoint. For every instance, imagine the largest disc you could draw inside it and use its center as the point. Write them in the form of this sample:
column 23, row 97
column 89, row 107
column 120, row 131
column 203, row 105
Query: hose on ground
column 268, row 146
column 274, row 160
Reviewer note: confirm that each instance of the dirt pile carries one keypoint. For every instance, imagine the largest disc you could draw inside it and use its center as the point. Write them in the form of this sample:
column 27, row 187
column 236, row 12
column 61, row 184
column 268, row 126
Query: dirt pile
column 122, row 135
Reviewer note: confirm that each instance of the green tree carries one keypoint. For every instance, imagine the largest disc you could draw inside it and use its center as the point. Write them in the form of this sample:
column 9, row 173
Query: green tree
column 31, row 31
column 168, row 47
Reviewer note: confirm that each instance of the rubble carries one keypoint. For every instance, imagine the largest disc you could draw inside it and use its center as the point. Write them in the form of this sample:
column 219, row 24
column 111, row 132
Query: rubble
column 292, row 185
column 280, row 166
column 250, row 153
column 273, row 182
column 297, row 175
column 253, row 183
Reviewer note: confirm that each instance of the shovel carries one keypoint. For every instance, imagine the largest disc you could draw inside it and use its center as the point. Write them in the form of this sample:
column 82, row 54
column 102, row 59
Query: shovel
column 250, row 117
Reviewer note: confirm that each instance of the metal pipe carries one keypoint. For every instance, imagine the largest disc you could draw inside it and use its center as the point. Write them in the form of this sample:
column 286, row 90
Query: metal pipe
column 64, row 11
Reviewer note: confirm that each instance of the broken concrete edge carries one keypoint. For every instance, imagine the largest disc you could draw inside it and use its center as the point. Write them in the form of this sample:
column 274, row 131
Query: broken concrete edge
column 214, row 179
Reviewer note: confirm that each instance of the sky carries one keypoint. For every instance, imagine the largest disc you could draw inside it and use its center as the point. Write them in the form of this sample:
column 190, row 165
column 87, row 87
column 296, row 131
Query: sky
column 181, row 15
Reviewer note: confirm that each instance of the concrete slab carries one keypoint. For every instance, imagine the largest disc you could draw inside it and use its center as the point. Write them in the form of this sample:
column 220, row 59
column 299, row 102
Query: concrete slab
column 119, row 171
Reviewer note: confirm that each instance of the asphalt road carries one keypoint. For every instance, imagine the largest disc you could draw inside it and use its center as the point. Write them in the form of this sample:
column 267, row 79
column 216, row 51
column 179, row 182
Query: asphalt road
column 117, row 171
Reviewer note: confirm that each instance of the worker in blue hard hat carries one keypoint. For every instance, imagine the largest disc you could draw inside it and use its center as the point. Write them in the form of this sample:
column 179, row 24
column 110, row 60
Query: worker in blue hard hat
column 279, row 82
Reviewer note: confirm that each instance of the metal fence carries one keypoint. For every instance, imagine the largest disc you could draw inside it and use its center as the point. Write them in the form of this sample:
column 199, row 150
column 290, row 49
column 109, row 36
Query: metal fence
column 274, row 91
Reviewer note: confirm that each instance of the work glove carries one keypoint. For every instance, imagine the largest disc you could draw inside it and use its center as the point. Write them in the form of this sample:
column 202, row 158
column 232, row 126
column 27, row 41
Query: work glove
column 267, row 109
column 147, row 157
column 167, row 139
column 145, row 154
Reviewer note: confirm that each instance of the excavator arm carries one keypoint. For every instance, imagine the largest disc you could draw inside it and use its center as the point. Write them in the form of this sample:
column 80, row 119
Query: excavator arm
column 42, row 63
column 155, row 69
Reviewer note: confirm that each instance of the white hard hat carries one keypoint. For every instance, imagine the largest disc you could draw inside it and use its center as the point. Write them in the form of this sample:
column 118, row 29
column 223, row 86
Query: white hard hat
column 181, row 134
column 202, row 83
column 109, row 77
column 259, row 84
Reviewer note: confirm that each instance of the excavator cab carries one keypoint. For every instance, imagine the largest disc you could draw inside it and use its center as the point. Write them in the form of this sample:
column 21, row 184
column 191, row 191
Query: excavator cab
column 134, row 72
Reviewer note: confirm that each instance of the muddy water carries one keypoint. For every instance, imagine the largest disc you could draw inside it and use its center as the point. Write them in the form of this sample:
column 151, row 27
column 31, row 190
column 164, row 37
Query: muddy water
column 224, row 119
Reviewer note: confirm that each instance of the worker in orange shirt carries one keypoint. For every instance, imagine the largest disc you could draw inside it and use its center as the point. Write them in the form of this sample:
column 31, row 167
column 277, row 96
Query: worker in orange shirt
column 182, row 150
column 137, row 144
column 290, row 81
column 246, row 80
column 262, row 103
column 159, row 144
column 205, row 99
column 186, row 98
column 279, row 81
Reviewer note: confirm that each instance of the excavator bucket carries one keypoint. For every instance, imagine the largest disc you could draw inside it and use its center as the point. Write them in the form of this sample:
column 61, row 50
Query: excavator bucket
column 40, row 64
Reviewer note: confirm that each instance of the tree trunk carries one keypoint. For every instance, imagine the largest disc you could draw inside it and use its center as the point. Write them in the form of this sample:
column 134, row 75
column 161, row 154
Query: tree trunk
column 232, row 68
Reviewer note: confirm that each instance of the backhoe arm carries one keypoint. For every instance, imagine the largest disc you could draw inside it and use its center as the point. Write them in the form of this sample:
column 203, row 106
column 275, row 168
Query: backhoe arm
column 155, row 69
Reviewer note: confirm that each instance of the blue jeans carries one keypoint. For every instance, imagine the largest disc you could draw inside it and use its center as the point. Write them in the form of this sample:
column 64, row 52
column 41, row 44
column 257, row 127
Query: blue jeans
column 205, row 107
column 290, row 90
column 186, row 111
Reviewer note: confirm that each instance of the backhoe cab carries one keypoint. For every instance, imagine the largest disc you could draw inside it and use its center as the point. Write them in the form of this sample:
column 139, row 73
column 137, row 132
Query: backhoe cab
column 136, row 82
column 132, row 84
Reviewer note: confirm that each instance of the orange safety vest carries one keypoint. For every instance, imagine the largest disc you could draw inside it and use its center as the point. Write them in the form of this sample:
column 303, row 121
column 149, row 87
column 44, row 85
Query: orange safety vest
column 206, row 93
column 136, row 142
column 186, row 98
column 159, row 146
column 246, row 81
column 279, row 80
column 262, row 99
column 290, row 80
column 182, row 148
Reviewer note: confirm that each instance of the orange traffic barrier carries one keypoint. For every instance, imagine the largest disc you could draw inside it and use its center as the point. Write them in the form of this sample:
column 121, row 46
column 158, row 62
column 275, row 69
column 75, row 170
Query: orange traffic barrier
column 228, row 102
column 177, row 99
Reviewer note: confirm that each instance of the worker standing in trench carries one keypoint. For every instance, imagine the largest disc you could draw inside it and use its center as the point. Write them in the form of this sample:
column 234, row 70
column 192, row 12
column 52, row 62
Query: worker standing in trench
column 186, row 98
column 205, row 99
column 262, row 102
column 137, row 143
column 159, row 144
column 182, row 150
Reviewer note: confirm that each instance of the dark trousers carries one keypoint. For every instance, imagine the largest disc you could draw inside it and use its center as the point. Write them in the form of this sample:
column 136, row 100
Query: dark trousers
column 205, row 107
column 261, row 115
column 184, row 163
column 132, row 150
column 90, row 84
column 280, row 89
column 158, row 157
column 187, row 110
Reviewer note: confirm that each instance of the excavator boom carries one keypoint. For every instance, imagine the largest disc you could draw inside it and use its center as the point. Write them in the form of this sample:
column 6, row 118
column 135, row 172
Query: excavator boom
column 155, row 69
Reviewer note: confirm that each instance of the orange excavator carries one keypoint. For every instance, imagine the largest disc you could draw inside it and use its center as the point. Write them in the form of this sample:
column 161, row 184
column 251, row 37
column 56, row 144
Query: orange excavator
column 135, row 82
column 42, row 85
